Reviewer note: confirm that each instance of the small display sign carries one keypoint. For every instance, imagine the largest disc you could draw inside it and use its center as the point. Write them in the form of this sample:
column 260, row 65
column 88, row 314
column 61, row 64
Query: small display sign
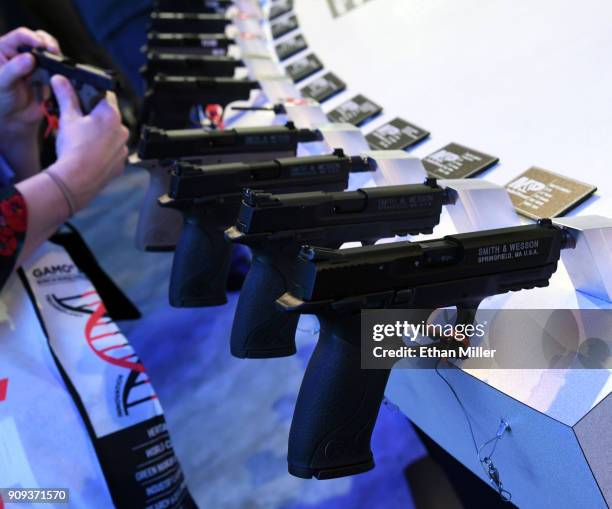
column 279, row 8
column 356, row 111
column 290, row 47
column 455, row 161
column 282, row 27
column 539, row 193
column 396, row 135
column 324, row 87
column 303, row 68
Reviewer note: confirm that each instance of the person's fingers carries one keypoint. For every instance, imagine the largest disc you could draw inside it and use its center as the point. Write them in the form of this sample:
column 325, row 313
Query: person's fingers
column 122, row 161
column 111, row 98
column 116, row 165
column 106, row 112
column 15, row 69
column 107, row 108
column 121, row 150
column 67, row 99
column 125, row 134
column 10, row 42
column 50, row 42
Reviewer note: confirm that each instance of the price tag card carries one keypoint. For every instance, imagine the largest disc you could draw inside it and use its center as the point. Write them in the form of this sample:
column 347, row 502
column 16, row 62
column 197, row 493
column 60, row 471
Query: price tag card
column 539, row 193
column 279, row 8
column 282, row 27
column 324, row 87
column 456, row 162
column 356, row 111
column 396, row 135
column 303, row 68
column 291, row 47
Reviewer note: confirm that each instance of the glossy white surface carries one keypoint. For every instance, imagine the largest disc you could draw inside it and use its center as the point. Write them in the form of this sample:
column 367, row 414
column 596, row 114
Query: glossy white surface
column 529, row 83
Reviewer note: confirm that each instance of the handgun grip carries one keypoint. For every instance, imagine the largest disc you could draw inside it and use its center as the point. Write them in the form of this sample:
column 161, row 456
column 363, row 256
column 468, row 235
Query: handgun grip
column 336, row 407
column 260, row 330
column 89, row 96
column 159, row 228
column 201, row 264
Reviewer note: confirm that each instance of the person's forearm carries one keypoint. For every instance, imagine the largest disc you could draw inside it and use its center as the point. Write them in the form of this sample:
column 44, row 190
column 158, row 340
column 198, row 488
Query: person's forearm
column 47, row 210
column 22, row 154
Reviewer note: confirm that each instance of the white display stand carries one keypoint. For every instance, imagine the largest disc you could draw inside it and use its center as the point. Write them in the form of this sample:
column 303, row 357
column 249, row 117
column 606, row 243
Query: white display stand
column 459, row 70
column 305, row 113
column 397, row 167
column 589, row 264
column 557, row 453
column 480, row 205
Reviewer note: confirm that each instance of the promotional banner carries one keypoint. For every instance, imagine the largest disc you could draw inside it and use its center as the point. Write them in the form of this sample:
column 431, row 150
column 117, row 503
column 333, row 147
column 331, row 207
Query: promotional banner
column 99, row 430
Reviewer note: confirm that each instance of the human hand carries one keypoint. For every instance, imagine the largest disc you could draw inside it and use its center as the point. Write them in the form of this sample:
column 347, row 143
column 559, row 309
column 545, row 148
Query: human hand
column 91, row 149
column 20, row 111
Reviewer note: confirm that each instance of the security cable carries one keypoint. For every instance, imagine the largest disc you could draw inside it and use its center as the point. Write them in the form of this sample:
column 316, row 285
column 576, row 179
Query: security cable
column 486, row 462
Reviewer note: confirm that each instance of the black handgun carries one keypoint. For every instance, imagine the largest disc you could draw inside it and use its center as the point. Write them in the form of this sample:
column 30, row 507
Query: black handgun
column 338, row 402
column 159, row 228
column 198, row 43
column 206, row 6
column 169, row 100
column 90, row 83
column 185, row 64
column 209, row 198
column 188, row 22
column 276, row 226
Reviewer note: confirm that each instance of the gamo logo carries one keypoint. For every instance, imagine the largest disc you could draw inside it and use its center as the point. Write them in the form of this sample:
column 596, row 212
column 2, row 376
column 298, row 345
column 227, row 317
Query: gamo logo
column 527, row 185
column 53, row 270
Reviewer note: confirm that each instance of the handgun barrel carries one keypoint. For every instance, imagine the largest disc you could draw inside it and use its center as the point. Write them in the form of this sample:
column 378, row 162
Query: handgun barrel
column 376, row 212
column 156, row 143
column 57, row 64
column 292, row 174
column 404, row 266
column 188, row 22
column 185, row 64
column 197, row 41
column 207, row 6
